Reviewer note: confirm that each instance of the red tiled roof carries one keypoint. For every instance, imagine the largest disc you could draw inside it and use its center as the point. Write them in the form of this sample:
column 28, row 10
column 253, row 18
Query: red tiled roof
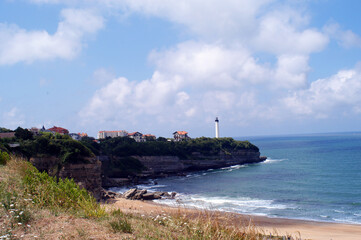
column 59, row 130
column 111, row 131
column 181, row 132
column 149, row 135
column 133, row 133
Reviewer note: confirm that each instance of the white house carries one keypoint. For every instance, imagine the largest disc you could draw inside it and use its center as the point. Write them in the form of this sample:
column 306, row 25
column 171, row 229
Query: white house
column 137, row 136
column 180, row 136
column 112, row 134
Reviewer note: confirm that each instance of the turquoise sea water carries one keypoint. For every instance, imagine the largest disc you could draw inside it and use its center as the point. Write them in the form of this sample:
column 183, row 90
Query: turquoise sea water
column 313, row 177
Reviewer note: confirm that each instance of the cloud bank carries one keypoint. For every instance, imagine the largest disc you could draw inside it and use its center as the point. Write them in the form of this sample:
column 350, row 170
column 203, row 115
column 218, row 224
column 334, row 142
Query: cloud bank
column 247, row 60
column 20, row 45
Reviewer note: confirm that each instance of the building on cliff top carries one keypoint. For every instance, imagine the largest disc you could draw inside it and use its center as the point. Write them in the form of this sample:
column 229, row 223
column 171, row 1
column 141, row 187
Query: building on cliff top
column 35, row 131
column 137, row 136
column 150, row 137
column 180, row 136
column 112, row 134
column 78, row 136
column 59, row 130
column 7, row 135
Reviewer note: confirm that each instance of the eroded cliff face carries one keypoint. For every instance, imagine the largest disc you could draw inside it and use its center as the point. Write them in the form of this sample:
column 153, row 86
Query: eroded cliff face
column 86, row 175
column 173, row 164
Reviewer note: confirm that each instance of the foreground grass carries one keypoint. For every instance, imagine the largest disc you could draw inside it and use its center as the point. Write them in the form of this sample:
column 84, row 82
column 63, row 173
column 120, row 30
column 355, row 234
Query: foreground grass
column 36, row 206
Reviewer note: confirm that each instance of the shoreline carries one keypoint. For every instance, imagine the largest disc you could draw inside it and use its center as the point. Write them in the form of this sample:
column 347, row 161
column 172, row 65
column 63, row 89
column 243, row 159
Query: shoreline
column 307, row 229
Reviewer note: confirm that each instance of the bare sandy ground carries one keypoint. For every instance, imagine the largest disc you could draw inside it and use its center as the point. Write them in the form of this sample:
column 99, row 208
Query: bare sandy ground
column 296, row 228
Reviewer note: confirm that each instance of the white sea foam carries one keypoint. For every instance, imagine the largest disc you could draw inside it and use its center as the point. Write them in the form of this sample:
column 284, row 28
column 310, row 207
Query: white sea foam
column 240, row 205
column 149, row 187
column 338, row 211
column 234, row 167
column 345, row 220
column 270, row 160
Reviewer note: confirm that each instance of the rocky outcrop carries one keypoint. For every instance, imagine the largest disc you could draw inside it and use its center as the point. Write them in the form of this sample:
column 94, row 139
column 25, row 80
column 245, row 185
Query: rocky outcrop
column 86, row 174
column 157, row 165
column 143, row 194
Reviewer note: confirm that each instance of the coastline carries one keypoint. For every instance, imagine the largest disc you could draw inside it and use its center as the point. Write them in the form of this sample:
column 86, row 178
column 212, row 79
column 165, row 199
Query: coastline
column 281, row 226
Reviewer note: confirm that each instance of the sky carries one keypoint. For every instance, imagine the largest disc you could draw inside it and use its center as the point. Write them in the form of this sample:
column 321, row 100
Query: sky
column 263, row 67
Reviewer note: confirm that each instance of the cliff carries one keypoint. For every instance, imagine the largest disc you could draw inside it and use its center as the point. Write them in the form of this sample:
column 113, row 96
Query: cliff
column 156, row 165
column 109, row 171
column 86, row 174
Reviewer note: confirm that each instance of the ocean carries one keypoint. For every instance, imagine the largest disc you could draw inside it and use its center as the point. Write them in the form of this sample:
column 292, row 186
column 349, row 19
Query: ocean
column 310, row 177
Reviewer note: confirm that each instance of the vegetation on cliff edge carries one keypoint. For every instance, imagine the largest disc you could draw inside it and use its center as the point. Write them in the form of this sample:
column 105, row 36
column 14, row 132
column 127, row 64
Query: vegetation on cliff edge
column 124, row 146
column 47, row 144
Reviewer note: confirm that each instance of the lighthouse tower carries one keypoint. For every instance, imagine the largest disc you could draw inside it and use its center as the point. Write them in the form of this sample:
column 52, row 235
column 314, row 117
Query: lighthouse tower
column 217, row 127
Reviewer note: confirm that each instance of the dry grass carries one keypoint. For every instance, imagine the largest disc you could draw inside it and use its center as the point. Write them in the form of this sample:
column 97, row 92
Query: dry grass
column 44, row 222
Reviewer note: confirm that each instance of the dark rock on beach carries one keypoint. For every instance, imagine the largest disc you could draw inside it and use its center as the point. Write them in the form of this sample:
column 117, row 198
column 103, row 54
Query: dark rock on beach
column 143, row 194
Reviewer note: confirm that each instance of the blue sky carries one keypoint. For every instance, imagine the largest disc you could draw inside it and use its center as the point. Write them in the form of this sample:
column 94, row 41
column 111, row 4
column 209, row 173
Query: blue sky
column 263, row 67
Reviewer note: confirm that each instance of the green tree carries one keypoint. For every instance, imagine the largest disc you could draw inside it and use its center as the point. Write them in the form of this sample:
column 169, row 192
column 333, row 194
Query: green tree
column 161, row 139
column 24, row 134
column 4, row 130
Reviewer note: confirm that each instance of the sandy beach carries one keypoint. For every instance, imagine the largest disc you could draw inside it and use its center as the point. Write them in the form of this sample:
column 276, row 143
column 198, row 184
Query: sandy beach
column 296, row 228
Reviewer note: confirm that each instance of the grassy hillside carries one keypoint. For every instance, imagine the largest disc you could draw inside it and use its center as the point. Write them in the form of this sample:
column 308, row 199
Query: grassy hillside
column 36, row 206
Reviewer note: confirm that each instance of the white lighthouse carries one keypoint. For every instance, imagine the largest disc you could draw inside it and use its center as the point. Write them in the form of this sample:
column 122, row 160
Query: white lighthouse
column 217, row 127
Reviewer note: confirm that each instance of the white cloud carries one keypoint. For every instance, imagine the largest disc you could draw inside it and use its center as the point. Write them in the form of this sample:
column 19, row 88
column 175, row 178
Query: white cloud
column 339, row 93
column 286, row 32
column 345, row 38
column 291, row 71
column 19, row 45
column 220, row 70
column 192, row 81
column 209, row 19
column 211, row 64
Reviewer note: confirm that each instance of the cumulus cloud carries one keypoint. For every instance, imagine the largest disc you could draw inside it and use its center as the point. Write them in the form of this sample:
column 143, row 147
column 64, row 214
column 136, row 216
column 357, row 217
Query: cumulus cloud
column 19, row 45
column 220, row 70
column 338, row 93
column 206, row 64
column 284, row 32
column 192, row 81
column 291, row 71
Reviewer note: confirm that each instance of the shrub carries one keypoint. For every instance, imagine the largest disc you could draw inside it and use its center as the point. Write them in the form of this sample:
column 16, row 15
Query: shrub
column 4, row 157
column 60, row 194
